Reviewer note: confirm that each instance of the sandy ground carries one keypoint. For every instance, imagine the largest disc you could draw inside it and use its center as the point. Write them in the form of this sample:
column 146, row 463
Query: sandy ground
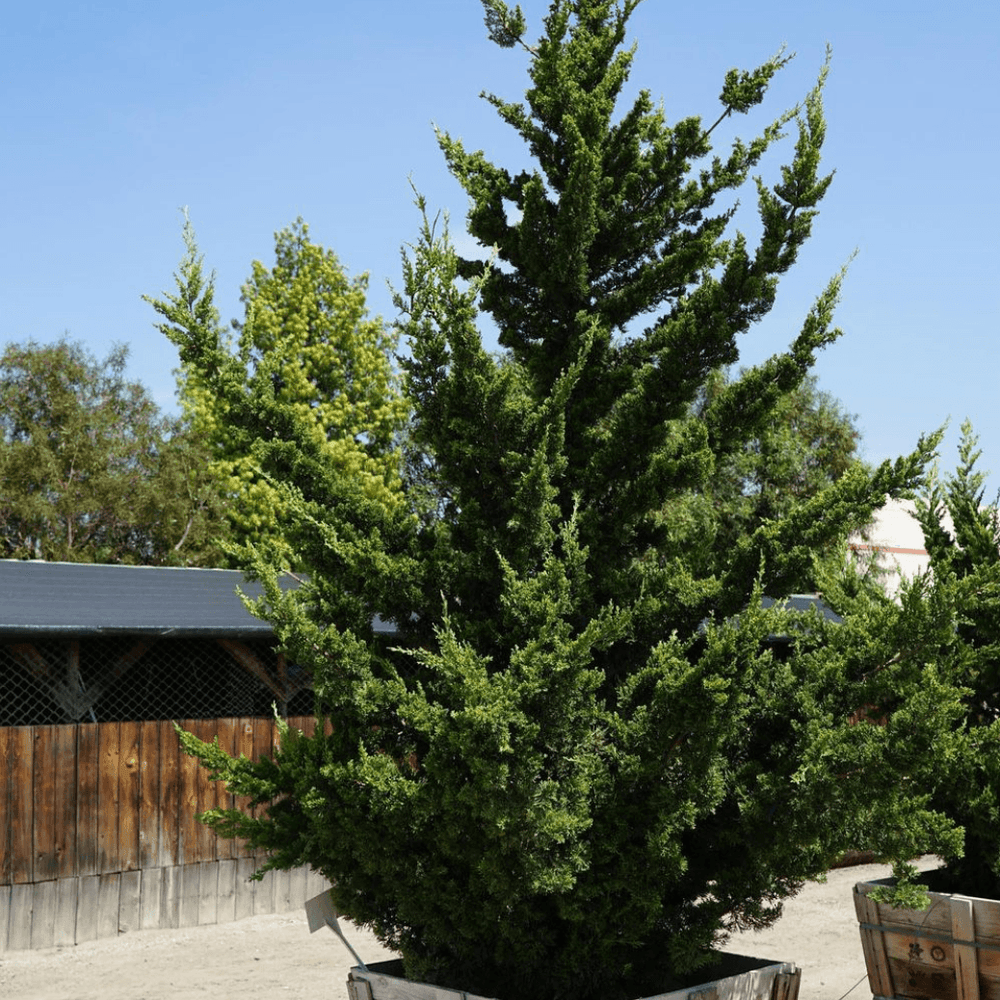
column 277, row 957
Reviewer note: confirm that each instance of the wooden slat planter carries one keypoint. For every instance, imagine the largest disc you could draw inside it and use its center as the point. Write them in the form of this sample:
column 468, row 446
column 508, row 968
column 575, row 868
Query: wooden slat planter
column 950, row 951
column 749, row 979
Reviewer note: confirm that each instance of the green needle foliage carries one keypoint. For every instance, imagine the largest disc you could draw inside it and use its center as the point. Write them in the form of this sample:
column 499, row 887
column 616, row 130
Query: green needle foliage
column 585, row 757
column 962, row 535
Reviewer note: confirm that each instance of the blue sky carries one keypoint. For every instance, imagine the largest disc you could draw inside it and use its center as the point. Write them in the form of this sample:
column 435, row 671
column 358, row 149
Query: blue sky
column 117, row 114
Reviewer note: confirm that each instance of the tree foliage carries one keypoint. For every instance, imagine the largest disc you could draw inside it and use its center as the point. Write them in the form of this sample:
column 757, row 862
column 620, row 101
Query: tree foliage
column 307, row 338
column 89, row 470
column 582, row 762
column 962, row 536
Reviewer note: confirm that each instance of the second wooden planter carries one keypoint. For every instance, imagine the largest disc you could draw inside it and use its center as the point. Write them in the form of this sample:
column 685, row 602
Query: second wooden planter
column 950, row 951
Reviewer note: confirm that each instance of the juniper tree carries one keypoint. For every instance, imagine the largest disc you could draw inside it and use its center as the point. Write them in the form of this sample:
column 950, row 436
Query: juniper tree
column 582, row 761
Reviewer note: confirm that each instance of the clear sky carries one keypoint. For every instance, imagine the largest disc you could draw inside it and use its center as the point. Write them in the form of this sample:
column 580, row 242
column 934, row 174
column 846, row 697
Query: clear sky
column 116, row 114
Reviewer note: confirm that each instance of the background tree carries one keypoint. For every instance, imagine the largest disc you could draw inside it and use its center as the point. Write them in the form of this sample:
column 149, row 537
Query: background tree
column 806, row 443
column 89, row 470
column 307, row 334
column 567, row 773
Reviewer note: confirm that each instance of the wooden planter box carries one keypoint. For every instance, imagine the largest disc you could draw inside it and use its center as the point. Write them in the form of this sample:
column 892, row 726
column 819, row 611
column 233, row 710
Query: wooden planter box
column 741, row 979
column 950, row 951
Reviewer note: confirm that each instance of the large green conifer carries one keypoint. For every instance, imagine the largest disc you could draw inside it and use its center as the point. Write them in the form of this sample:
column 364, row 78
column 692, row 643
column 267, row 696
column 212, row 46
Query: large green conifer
column 586, row 759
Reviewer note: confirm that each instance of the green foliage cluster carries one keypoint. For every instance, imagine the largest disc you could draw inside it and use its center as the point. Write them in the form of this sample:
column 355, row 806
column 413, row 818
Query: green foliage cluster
column 307, row 342
column 89, row 469
column 583, row 759
column 962, row 536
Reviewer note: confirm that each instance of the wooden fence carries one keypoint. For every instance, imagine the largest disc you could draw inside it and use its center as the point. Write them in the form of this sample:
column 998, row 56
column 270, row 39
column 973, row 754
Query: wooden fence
column 98, row 835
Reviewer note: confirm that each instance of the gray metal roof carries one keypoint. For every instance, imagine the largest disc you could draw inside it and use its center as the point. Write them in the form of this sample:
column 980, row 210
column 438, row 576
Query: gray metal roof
column 86, row 599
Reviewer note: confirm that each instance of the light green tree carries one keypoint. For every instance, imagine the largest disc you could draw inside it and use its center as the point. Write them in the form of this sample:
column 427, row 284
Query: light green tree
column 307, row 337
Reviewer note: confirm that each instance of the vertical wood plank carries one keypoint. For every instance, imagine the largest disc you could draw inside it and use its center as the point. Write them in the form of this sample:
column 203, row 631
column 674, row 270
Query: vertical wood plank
column 67, row 898
column 150, row 905
column 226, row 908
column 46, row 866
column 43, row 915
column 108, row 762
column 244, row 748
column 282, row 891
column 873, row 944
column 966, row 959
column 187, row 825
column 190, row 895
column 66, row 783
column 5, row 823
column 245, row 889
column 108, row 889
column 207, row 793
column 170, row 897
column 263, row 896
column 225, row 847
column 128, row 796
column 87, row 771
column 20, row 747
column 129, row 899
column 298, row 879
column 263, row 739
column 149, row 796
column 22, row 896
column 169, row 798
column 208, row 892
column 86, row 908
column 4, row 916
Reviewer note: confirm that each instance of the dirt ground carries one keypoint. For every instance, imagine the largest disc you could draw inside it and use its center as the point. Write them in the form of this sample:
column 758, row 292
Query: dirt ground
column 277, row 957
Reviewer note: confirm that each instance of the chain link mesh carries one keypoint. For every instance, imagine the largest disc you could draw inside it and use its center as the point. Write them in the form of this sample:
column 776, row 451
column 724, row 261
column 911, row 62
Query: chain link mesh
column 58, row 681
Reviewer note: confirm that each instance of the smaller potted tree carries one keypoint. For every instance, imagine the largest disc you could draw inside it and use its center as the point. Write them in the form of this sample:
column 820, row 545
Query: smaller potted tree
column 933, row 935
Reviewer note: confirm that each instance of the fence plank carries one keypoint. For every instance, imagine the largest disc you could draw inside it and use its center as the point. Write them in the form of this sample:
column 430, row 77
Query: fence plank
column 128, row 796
column 4, row 916
column 263, row 746
column 206, row 730
column 170, row 897
column 187, row 825
column 66, row 784
column 87, row 819
column 225, row 847
column 67, row 897
column 20, row 747
column 5, row 853
column 43, row 915
column 169, row 798
column 108, row 892
column 45, row 865
column 129, row 900
column 109, row 753
column 22, row 896
column 190, row 895
column 226, row 907
column 88, row 895
column 244, row 748
column 149, row 795
column 245, row 889
column 150, row 907
column 208, row 893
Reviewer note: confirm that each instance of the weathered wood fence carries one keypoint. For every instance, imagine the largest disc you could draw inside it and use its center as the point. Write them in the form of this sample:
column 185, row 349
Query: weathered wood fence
column 98, row 835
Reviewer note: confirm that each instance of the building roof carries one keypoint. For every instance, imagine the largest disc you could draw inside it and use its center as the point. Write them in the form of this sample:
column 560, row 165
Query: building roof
column 80, row 599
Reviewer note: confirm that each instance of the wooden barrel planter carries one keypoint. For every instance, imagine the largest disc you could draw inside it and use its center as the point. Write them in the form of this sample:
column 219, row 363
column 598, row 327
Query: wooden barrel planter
column 737, row 978
column 949, row 951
